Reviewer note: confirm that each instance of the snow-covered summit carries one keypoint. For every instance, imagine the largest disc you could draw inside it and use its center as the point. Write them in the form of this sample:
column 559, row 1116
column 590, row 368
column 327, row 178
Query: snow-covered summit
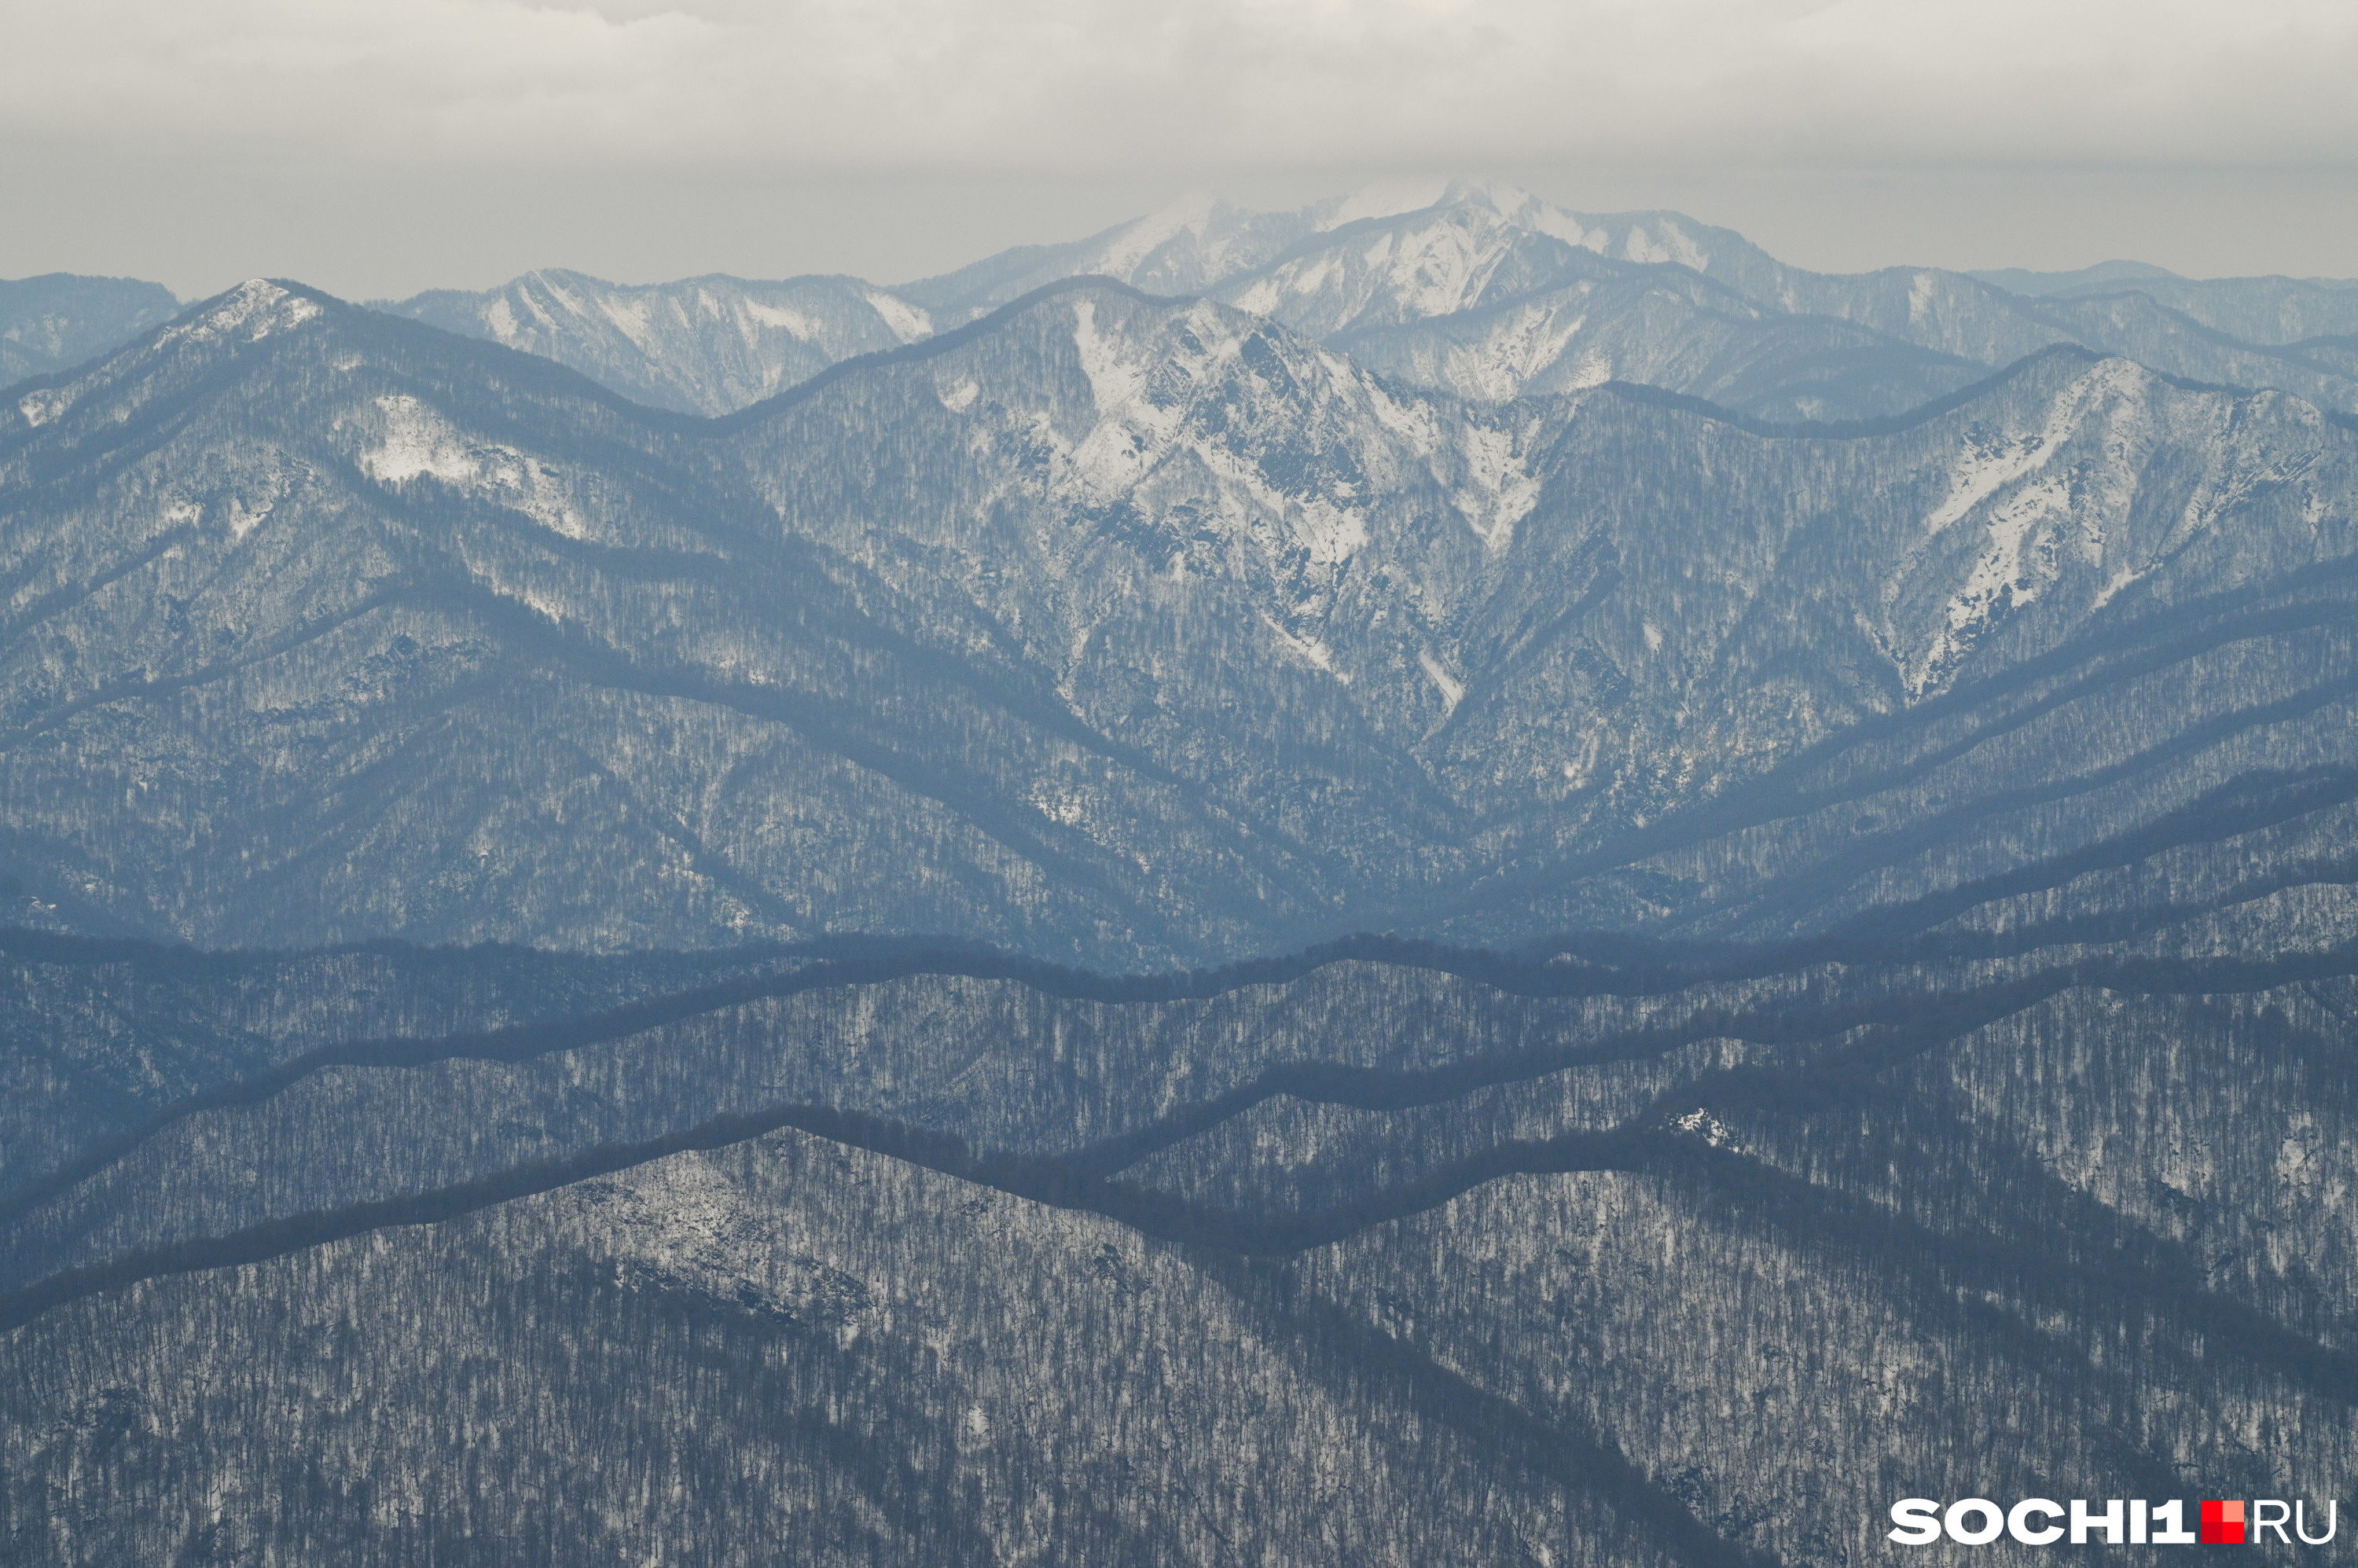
column 1472, row 286
column 248, row 313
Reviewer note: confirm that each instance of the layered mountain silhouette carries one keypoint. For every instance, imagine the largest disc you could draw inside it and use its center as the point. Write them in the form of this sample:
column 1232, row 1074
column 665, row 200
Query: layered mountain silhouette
column 1134, row 631
column 1477, row 289
column 707, row 345
column 1345, row 886
column 50, row 322
column 1469, row 286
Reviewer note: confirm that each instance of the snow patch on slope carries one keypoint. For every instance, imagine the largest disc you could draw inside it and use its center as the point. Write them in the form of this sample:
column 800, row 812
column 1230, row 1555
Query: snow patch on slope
column 2003, row 572
column 417, row 443
column 251, row 312
column 909, row 322
column 785, row 316
column 39, row 408
column 2032, row 519
column 1525, row 343
column 1500, row 491
column 1437, row 270
column 1666, row 242
column 1131, row 431
column 1452, row 689
column 1308, row 649
column 1114, row 381
column 628, row 316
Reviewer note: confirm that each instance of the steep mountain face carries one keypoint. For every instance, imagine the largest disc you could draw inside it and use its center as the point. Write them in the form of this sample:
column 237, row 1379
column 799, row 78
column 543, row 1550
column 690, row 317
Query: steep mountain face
column 59, row 319
column 703, row 345
column 1137, row 631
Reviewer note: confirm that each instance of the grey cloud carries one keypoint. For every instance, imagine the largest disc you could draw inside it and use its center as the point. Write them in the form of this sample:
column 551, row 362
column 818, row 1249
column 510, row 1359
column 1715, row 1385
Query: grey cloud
column 379, row 149
column 1076, row 84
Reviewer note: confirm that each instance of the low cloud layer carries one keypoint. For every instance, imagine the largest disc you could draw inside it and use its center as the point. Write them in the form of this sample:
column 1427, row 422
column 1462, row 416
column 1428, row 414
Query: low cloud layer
column 843, row 86
column 376, row 148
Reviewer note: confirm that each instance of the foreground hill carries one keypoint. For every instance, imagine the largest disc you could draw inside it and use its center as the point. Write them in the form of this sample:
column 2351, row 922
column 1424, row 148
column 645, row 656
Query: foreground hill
column 1646, row 1256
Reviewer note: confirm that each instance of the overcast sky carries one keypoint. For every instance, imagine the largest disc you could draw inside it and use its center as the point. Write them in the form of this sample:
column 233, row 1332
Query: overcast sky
column 379, row 147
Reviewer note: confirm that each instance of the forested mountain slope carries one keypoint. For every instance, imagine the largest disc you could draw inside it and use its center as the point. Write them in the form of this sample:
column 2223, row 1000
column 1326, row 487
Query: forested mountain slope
column 59, row 319
column 1646, row 1255
column 1134, row 631
column 703, row 345
column 1113, row 936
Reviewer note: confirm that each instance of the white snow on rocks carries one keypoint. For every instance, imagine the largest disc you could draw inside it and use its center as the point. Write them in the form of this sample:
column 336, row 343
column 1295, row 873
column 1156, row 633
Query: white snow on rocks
column 1452, row 689
column 1500, row 492
column 1309, row 650
column 416, row 441
column 39, row 408
column 2034, row 520
column 909, row 322
column 249, row 313
column 1700, row 1123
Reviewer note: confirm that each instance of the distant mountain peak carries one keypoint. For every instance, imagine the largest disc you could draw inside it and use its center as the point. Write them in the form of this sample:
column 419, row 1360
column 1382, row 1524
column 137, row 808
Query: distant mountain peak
column 1192, row 214
column 2024, row 280
column 1466, row 284
column 59, row 319
column 698, row 345
column 247, row 313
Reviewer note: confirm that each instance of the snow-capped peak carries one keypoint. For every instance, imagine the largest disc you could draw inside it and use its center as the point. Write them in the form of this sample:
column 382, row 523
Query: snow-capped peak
column 248, row 313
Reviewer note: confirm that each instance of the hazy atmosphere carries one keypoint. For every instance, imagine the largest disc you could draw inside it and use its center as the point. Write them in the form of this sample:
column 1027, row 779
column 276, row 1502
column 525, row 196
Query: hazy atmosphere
column 375, row 150
column 1311, row 784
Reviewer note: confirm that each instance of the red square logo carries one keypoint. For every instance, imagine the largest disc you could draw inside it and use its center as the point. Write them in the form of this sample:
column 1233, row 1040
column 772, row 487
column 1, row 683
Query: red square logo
column 2223, row 1524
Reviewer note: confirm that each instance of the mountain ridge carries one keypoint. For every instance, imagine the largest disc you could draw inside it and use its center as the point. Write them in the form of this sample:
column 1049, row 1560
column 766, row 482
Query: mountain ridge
column 836, row 920
column 1351, row 588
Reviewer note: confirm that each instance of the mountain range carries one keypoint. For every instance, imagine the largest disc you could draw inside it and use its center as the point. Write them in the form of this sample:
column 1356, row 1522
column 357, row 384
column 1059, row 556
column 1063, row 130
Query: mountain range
column 1153, row 631
column 1467, row 287
column 1427, row 879
column 1480, row 290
